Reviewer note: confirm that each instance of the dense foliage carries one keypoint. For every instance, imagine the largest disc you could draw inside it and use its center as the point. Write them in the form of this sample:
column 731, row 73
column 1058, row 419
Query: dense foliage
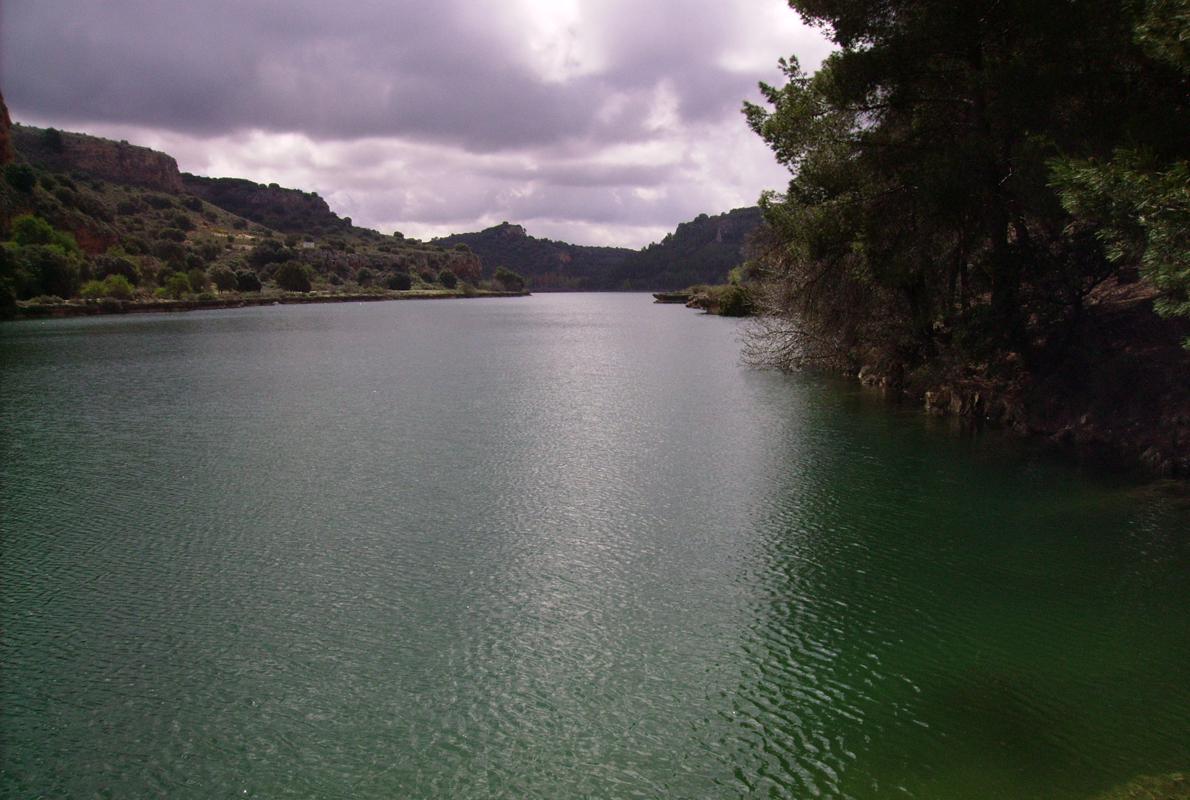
column 966, row 175
column 703, row 250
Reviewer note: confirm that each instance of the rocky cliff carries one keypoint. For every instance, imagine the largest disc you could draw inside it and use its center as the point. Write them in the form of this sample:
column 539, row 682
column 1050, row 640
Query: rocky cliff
column 114, row 161
column 5, row 133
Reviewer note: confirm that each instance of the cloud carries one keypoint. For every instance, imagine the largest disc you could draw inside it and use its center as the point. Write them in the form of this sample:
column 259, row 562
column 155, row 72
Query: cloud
column 594, row 116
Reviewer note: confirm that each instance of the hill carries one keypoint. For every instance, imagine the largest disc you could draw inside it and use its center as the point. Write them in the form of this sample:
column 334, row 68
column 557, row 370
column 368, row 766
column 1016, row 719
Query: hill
column 703, row 250
column 79, row 209
column 115, row 200
column 548, row 264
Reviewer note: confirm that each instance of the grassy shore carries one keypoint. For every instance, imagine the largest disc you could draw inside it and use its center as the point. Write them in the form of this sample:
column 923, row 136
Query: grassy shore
column 41, row 309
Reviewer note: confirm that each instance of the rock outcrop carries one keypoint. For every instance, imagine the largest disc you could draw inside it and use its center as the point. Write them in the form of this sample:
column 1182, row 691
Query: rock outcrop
column 119, row 162
column 5, row 133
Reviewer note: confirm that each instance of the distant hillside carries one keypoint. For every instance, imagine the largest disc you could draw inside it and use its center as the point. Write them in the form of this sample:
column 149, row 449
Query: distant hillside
column 133, row 201
column 546, row 263
column 703, row 250
column 79, row 210
column 285, row 210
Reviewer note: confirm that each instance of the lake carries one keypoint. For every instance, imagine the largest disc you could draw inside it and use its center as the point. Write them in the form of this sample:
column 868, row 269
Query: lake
column 560, row 546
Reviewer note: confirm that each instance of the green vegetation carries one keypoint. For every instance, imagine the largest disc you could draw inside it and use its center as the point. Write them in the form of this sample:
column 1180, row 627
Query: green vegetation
column 969, row 179
column 703, row 250
column 399, row 281
column 63, row 227
column 293, row 277
column 508, row 280
column 116, row 286
column 988, row 204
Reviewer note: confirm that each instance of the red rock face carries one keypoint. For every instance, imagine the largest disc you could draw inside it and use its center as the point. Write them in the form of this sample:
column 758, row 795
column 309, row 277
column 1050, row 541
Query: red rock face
column 114, row 161
column 92, row 241
column 5, row 133
column 466, row 266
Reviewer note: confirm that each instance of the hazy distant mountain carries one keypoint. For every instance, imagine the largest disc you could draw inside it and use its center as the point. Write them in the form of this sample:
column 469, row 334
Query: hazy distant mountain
column 703, row 250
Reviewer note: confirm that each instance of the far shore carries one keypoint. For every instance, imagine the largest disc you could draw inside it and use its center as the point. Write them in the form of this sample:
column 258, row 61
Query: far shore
column 88, row 308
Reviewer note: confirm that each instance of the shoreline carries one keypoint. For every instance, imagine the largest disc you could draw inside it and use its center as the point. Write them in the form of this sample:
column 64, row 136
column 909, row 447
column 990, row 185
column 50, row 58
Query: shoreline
column 91, row 308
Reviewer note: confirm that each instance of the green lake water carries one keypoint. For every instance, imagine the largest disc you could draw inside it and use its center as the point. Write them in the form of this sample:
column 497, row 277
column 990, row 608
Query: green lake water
column 562, row 546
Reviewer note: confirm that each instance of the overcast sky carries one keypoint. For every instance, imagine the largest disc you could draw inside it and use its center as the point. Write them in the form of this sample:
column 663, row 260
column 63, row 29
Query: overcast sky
column 592, row 121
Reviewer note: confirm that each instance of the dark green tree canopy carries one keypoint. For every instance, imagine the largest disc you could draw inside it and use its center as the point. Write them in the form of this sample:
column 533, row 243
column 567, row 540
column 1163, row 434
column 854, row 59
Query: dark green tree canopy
column 924, row 155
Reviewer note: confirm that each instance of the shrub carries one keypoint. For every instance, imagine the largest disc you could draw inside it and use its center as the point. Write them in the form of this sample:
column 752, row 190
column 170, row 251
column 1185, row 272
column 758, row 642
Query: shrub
column 51, row 139
column 736, row 301
column 20, row 177
column 116, row 286
column 182, row 221
column 448, row 279
column 28, row 229
column 399, row 281
column 209, row 249
column 365, row 277
column 129, row 207
column 247, row 281
column 191, row 202
column 173, row 235
column 198, row 280
column 293, row 277
column 134, row 245
column 115, row 264
column 427, row 276
column 269, row 251
column 159, row 201
column 173, row 252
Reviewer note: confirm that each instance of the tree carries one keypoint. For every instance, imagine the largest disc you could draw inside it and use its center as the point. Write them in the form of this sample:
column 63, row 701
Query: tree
column 1137, row 203
column 223, row 278
column 508, row 280
column 20, row 177
column 448, row 279
column 267, row 252
column 247, row 281
column 28, row 229
column 399, row 281
column 176, row 286
column 116, row 286
column 293, row 277
column 198, row 279
column 920, row 212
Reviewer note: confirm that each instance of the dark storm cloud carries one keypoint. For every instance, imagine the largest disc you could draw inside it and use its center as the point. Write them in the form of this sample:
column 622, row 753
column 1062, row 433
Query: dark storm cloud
column 326, row 69
column 613, row 119
column 432, row 71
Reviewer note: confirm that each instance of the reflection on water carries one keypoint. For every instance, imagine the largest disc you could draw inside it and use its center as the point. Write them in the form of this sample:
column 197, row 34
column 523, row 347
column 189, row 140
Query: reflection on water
column 544, row 547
